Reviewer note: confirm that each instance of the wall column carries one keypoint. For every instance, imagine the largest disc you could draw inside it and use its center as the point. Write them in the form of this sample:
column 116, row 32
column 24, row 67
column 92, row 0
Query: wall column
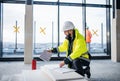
column 1, row 30
column 28, row 40
column 115, row 32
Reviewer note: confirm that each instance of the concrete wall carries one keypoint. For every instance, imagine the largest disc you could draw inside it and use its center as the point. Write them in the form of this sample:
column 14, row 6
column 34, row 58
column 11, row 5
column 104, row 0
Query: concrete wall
column 28, row 46
column 118, row 34
column 115, row 35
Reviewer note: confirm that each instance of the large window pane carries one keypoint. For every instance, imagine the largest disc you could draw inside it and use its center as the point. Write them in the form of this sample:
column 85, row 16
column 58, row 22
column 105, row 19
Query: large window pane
column 96, row 1
column 111, row 2
column 13, row 15
column 72, row 1
column 46, row 27
column 47, row 0
column 96, row 21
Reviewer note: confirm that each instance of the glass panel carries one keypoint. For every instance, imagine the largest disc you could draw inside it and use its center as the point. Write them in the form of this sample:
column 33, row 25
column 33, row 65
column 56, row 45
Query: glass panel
column 111, row 2
column 73, row 1
column 45, row 29
column 73, row 14
column 96, row 21
column 47, row 0
column 13, row 29
column 111, row 11
column 96, row 1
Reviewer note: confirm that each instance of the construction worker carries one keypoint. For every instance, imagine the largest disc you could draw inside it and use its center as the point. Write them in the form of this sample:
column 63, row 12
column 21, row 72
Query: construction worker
column 88, row 37
column 75, row 47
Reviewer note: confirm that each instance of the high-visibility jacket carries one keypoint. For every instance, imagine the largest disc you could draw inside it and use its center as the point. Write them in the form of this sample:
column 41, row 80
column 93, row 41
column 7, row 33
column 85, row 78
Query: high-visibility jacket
column 88, row 36
column 78, row 49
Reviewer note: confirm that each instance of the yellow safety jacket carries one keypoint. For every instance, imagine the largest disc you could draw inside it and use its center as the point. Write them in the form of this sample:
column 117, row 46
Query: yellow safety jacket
column 78, row 49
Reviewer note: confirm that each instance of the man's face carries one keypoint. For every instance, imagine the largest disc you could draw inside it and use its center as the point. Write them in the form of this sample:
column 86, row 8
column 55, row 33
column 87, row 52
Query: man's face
column 67, row 32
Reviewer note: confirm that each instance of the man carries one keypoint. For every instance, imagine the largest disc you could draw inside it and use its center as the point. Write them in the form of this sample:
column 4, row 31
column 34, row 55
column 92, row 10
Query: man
column 75, row 47
column 88, row 37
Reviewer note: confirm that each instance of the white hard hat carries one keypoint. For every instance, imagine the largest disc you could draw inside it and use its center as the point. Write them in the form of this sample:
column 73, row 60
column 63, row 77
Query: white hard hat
column 68, row 25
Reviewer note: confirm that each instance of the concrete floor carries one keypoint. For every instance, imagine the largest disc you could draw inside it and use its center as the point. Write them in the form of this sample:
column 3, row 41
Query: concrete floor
column 101, row 70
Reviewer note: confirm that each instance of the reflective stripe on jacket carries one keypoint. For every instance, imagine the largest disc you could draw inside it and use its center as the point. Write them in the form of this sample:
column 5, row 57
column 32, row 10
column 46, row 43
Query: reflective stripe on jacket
column 79, row 46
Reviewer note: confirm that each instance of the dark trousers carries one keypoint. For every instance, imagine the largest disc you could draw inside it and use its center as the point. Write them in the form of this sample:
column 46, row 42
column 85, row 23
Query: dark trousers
column 78, row 65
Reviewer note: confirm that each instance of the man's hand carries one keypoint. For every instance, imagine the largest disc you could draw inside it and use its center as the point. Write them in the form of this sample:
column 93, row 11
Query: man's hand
column 50, row 51
column 62, row 64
